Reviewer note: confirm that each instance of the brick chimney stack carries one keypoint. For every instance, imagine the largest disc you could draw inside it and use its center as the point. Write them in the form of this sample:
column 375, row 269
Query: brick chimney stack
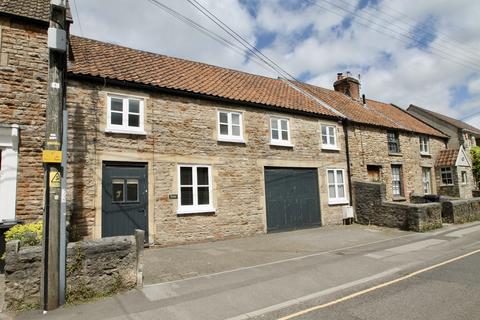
column 347, row 85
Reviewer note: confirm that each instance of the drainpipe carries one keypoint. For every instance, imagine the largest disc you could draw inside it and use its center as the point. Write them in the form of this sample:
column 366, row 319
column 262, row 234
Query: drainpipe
column 347, row 150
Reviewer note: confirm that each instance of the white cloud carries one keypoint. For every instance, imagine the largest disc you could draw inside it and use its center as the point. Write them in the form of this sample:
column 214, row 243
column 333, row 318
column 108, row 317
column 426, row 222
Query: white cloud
column 391, row 70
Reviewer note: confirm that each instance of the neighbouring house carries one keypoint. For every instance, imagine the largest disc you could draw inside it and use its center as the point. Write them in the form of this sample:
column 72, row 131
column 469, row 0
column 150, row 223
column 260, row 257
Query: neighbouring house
column 460, row 133
column 191, row 152
column 385, row 143
column 23, row 94
column 462, row 138
column 454, row 173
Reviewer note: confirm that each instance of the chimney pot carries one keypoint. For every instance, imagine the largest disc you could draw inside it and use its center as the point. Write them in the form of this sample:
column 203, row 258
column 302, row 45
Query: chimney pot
column 347, row 85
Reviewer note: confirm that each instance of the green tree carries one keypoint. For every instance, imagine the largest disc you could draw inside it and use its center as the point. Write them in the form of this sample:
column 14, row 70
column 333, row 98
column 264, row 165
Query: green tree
column 476, row 164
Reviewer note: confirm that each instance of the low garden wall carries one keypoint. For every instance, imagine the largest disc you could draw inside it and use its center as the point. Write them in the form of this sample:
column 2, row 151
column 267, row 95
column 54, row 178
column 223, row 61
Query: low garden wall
column 95, row 268
column 461, row 211
column 372, row 208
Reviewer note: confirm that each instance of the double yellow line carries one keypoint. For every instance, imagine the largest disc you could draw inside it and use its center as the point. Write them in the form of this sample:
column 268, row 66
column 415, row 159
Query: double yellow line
column 359, row 293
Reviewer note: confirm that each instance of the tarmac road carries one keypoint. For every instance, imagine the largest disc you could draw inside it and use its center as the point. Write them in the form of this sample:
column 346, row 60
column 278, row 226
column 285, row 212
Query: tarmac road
column 450, row 291
column 287, row 278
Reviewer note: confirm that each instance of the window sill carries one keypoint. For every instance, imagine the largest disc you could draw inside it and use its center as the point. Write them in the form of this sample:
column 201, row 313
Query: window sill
column 447, row 185
column 332, row 148
column 124, row 131
column 423, row 154
column 232, row 140
column 399, row 198
column 281, row 144
column 395, row 154
column 338, row 202
column 195, row 210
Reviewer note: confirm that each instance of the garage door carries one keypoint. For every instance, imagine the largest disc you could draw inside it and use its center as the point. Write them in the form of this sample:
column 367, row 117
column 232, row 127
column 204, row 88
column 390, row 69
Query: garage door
column 292, row 198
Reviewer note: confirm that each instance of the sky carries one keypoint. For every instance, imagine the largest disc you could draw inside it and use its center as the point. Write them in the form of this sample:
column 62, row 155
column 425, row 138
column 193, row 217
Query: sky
column 405, row 51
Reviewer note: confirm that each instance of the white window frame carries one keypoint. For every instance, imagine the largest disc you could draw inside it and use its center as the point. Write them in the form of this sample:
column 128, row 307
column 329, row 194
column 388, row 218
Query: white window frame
column 230, row 137
column 125, row 128
column 424, row 145
column 443, row 170
column 463, row 174
column 427, row 184
column 9, row 141
column 337, row 199
column 195, row 208
column 280, row 141
column 400, row 181
column 328, row 145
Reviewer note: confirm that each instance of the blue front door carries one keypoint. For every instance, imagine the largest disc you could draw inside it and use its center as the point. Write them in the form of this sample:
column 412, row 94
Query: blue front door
column 124, row 199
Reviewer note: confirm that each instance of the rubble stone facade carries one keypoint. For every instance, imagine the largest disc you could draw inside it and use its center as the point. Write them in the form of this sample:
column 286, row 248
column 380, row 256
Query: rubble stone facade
column 368, row 146
column 183, row 130
column 23, row 95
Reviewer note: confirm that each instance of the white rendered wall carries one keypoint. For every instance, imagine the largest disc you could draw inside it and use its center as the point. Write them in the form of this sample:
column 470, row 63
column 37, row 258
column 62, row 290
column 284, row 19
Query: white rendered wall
column 8, row 172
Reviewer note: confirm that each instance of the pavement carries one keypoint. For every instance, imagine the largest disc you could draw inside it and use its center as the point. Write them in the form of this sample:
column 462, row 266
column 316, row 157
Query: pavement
column 273, row 275
column 180, row 262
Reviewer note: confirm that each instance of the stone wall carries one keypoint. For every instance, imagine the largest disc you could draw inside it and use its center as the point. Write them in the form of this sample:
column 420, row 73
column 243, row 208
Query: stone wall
column 461, row 211
column 476, row 193
column 23, row 94
column 183, row 130
column 95, row 268
column 368, row 146
column 372, row 208
column 458, row 189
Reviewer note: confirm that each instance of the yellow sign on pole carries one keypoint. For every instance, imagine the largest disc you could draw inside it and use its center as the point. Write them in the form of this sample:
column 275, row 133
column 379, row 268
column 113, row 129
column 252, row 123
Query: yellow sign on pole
column 54, row 179
column 52, row 156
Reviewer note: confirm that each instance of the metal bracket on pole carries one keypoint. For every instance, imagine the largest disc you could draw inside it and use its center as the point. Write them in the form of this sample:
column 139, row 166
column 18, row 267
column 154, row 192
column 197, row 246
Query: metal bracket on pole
column 63, row 214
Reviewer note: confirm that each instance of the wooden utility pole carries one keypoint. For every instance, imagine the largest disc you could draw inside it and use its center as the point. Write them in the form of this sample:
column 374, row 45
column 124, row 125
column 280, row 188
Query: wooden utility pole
column 52, row 154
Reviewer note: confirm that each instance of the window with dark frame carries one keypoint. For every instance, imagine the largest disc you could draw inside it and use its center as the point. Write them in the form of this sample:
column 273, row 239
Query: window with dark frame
column 393, row 142
column 118, row 188
column 446, row 176
column 125, row 190
column 397, row 181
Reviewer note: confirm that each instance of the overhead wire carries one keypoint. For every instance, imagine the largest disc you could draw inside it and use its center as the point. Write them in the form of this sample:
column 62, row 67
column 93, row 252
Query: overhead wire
column 428, row 28
column 405, row 38
column 78, row 17
column 410, row 29
column 365, row 22
column 285, row 76
column 251, row 48
column 470, row 115
column 205, row 31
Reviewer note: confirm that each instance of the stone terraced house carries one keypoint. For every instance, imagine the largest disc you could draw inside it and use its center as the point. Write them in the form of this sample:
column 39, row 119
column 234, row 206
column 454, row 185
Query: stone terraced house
column 193, row 152
column 456, row 174
column 385, row 143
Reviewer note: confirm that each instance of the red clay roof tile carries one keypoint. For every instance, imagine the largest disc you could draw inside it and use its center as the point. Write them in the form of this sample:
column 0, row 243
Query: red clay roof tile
column 447, row 158
column 111, row 61
column 32, row 9
column 95, row 58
